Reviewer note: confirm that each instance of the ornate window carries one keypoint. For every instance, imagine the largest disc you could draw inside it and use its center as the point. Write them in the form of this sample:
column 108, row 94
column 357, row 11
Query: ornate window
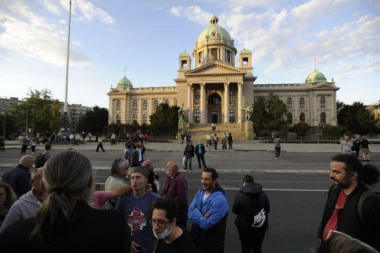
column 289, row 118
column 231, row 97
column 167, row 101
column 302, row 117
column 289, row 103
column 323, row 118
column 155, row 103
column 118, row 104
column 118, row 120
column 231, row 115
column 134, row 116
column 197, row 115
column 145, row 104
column 134, row 104
column 197, row 97
column 322, row 102
column 302, row 102
column 145, row 118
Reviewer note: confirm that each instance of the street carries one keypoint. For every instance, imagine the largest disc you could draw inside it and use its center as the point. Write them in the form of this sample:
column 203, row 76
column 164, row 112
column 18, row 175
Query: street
column 297, row 199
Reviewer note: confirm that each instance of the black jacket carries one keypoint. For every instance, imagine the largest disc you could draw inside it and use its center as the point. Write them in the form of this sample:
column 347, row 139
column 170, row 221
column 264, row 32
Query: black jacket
column 89, row 231
column 247, row 201
column 18, row 178
column 202, row 148
column 349, row 222
column 189, row 150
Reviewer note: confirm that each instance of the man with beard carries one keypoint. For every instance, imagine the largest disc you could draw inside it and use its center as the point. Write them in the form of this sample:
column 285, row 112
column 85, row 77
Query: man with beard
column 176, row 188
column 208, row 212
column 351, row 208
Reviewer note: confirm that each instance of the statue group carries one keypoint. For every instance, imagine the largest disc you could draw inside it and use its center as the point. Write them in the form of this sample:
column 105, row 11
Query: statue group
column 181, row 114
column 248, row 113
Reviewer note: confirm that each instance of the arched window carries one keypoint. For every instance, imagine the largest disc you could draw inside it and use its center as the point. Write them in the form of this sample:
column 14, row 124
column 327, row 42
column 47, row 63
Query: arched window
column 118, row 120
column 302, row 117
column 322, row 102
column 167, row 101
column 145, row 118
column 118, row 104
column 323, row 118
column 231, row 115
column 134, row 116
column 134, row 104
column 197, row 115
column 145, row 104
column 289, row 103
column 302, row 102
column 289, row 118
column 231, row 97
column 155, row 103
column 197, row 97
column 214, row 99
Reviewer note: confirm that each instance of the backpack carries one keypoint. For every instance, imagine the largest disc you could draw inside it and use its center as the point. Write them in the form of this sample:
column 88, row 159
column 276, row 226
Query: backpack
column 363, row 197
column 40, row 161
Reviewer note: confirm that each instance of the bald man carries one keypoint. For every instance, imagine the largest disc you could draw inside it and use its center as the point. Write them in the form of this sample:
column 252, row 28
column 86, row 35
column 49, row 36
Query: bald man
column 19, row 176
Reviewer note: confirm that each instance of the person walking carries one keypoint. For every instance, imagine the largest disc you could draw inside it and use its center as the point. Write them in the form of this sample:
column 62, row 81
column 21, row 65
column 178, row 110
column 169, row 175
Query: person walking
column 65, row 222
column 356, row 145
column 251, row 205
column 277, row 147
column 209, row 141
column 351, row 207
column 200, row 153
column 224, row 141
column 100, row 144
column 176, row 188
column 136, row 208
column 24, row 146
column 230, row 141
column 18, row 178
column 208, row 213
column 346, row 145
column 171, row 238
column 365, row 149
column 188, row 153
column 215, row 140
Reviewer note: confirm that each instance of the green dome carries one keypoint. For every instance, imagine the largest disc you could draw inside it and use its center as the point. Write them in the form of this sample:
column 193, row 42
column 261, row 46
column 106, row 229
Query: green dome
column 245, row 51
column 315, row 77
column 214, row 30
column 184, row 53
column 124, row 83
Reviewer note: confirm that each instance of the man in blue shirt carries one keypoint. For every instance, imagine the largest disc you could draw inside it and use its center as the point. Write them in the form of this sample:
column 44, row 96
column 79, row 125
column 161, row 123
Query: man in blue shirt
column 200, row 152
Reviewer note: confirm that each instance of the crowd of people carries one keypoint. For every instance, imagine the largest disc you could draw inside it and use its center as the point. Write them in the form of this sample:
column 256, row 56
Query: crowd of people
column 55, row 207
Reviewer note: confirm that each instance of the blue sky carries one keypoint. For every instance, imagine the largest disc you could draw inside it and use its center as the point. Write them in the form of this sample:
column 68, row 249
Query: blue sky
column 146, row 38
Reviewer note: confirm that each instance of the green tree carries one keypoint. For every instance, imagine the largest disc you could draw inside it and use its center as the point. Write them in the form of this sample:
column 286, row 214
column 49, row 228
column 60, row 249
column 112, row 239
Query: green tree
column 7, row 125
column 37, row 113
column 356, row 119
column 164, row 121
column 329, row 131
column 301, row 129
column 93, row 121
column 269, row 114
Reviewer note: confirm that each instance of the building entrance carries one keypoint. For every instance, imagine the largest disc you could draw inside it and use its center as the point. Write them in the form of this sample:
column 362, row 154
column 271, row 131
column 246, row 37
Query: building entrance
column 214, row 108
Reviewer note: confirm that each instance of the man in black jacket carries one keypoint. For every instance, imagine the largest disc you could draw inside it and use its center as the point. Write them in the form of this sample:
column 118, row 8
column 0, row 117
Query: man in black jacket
column 19, row 176
column 346, row 209
column 200, row 152
column 188, row 153
column 251, row 205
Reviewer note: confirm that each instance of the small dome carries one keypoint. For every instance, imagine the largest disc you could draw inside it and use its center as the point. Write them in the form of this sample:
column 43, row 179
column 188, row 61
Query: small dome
column 245, row 51
column 184, row 53
column 124, row 83
column 214, row 30
column 315, row 77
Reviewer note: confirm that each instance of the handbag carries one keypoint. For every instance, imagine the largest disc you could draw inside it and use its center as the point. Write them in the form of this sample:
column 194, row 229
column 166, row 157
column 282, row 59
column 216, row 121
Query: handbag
column 183, row 160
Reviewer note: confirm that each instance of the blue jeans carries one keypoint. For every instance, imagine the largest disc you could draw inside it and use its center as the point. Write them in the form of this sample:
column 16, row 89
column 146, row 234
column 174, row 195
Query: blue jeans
column 190, row 160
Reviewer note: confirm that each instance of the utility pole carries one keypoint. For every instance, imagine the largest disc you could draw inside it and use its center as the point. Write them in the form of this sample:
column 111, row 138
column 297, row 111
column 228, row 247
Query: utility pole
column 65, row 117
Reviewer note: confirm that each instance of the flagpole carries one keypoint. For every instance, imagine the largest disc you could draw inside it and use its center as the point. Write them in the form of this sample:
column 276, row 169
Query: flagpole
column 65, row 117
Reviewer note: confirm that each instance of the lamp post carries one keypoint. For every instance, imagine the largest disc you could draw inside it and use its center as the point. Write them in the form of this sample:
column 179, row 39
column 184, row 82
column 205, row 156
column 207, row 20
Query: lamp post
column 65, row 117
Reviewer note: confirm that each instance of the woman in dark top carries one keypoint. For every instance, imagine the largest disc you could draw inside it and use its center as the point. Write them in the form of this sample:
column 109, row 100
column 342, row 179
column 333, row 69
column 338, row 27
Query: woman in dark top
column 65, row 222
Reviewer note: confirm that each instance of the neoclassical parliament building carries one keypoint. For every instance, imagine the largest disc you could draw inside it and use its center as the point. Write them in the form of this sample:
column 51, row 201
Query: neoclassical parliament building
column 220, row 86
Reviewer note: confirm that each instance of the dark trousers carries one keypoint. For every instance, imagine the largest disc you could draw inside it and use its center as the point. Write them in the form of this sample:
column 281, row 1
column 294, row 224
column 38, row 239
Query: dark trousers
column 277, row 151
column 199, row 158
column 100, row 145
column 24, row 147
column 251, row 241
column 230, row 145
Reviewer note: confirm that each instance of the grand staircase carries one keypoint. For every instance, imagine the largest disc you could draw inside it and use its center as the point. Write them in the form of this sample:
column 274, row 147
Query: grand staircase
column 200, row 131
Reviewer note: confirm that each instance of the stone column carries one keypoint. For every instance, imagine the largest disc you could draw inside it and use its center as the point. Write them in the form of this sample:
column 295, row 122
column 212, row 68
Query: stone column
column 203, row 103
column 127, row 110
column 226, row 102
column 239, row 106
column 189, row 102
column 139, row 116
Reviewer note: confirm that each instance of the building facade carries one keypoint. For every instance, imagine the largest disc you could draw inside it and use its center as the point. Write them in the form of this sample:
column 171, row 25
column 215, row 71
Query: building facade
column 220, row 86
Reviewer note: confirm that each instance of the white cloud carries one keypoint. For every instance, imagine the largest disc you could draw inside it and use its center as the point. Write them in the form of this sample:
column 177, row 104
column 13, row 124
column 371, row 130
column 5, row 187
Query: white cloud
column 89, row 11
column 51, row 6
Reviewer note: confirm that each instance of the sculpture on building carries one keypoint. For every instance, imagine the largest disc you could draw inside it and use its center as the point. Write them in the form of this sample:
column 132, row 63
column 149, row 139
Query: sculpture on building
column 182, row 114
column 248, row 113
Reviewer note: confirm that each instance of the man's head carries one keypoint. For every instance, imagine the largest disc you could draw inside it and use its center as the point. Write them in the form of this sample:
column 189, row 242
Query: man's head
column 148, row 163
column 139, row 178
column 36, row 181
column 199, row 142
column 27, row 161
column 171, row 168
column 209, row 179
column 346, row 137
column 248, row 179
column 47, row 146
column 164, row 212
column 120, row 167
